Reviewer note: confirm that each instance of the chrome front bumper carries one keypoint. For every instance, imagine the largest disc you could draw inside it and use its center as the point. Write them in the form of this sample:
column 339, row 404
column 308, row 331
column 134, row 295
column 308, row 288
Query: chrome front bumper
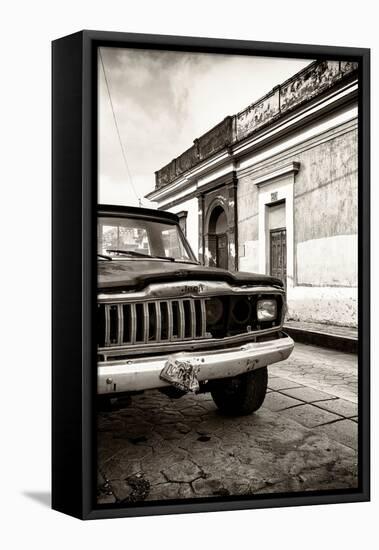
column 142, row 373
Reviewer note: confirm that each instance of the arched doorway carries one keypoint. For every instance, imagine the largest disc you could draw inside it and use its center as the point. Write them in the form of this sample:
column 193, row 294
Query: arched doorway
column 218, row 238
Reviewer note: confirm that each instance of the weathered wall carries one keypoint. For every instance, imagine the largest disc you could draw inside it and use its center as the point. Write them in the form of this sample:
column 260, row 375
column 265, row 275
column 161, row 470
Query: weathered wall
column 326, row 189
column 325, row 224
column 263, row 111
column 324, row 285
column 329, row 261
column 325, row 213
column 329, row 305
column 247, row 199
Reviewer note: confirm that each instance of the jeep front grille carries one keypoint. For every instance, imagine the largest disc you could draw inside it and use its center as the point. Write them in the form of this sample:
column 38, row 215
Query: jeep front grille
column 151, row 322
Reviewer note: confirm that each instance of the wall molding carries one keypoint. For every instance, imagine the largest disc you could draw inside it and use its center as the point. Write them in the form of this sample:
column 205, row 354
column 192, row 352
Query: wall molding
column 284, row 170
column 306, row 145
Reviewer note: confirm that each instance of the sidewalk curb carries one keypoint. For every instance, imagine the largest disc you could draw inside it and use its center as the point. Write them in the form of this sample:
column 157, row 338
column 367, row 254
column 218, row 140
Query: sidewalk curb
column 323, row 339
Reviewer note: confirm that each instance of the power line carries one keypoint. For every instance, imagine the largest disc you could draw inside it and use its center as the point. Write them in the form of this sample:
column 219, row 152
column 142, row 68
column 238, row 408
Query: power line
column 118, row 130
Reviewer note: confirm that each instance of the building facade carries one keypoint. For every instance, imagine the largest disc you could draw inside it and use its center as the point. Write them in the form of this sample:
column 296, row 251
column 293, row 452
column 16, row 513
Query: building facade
column 274, row 189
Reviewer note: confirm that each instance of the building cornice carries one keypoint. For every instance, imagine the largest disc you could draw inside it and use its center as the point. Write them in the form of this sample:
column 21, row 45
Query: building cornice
column 318, row 79
column 228, row 158
column 313, row 111
column 229, row 178
column 223, row 158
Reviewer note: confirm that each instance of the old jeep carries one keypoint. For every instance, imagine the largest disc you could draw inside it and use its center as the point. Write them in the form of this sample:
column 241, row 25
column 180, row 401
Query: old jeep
column 166, row 322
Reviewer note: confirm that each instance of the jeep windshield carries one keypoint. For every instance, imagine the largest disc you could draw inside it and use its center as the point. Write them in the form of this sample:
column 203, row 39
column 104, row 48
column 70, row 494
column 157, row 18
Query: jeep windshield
column 128, row 238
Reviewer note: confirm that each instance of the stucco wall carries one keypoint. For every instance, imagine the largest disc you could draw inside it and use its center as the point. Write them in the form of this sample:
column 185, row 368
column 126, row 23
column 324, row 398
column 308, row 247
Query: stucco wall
column 324, row 287
column 247, row 206
column 325, row 230
column 325, row 191
column 328, row 261
column 329, row 305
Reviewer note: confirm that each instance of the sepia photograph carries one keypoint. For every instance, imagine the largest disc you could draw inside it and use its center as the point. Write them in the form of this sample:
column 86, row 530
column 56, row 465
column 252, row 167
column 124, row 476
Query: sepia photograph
column 227, row 282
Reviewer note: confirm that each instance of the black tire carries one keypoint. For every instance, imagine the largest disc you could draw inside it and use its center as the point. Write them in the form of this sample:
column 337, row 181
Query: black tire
column 242, row 394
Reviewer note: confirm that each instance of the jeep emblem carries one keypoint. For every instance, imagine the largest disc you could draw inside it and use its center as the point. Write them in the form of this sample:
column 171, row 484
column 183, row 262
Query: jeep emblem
column 195, row 289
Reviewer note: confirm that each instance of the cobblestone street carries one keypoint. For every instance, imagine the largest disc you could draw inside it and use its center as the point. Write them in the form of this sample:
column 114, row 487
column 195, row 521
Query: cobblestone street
column 303, row 438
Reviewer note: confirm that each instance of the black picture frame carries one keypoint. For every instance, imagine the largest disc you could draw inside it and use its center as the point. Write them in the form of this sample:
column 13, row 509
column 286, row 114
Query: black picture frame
column 74, row 176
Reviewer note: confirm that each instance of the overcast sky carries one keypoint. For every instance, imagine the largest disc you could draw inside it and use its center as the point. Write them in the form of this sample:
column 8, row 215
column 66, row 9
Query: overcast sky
column 163, row 101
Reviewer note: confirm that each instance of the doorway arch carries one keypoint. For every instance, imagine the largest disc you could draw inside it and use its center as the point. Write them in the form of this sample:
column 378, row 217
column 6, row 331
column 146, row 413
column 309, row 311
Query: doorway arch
column 218, row 237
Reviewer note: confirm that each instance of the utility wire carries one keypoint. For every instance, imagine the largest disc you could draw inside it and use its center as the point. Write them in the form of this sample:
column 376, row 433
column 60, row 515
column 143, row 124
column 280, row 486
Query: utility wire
column 118, row 130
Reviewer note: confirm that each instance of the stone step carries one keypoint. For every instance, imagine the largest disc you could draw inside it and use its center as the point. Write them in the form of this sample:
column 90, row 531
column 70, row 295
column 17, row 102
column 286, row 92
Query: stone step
column 327, row 336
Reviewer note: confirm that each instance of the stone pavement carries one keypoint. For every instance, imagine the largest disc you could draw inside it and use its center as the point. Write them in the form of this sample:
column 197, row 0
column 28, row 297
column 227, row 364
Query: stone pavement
column 303, row 438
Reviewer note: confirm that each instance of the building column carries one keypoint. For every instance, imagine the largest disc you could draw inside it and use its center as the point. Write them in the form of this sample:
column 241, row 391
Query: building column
column 201, row 229
column 231, row 189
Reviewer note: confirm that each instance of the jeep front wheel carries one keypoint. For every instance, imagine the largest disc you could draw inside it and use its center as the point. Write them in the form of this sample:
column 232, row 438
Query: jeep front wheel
column 242, row 394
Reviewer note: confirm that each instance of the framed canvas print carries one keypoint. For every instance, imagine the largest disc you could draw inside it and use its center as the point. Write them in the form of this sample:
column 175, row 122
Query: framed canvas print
column 210, row 274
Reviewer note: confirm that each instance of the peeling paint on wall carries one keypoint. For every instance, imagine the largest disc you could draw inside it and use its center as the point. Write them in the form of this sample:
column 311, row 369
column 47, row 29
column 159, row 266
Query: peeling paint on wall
column 335, row 306
column 326, row 189
column 252, row 118
column 309, row 84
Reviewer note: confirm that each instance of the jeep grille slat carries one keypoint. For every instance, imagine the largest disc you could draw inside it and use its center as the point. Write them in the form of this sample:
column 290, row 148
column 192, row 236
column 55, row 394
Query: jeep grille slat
column 170, row 320
column 120, row 332
column 133, row 324
column 158, row 321
column 181, row 328
column 203, row 318
column 152, row 322
column 107, row 326
column 146, row 322
column 193, row 319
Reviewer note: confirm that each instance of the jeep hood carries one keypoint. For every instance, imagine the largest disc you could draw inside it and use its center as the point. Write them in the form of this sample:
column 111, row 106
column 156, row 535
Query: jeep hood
column 137, row 274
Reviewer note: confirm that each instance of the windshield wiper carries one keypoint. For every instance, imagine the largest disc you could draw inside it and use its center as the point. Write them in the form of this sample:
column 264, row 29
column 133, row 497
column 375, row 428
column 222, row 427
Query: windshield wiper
column 168, row 258
column 188, row 262
column 127, row 252
column 104, row 257
column 139, row 254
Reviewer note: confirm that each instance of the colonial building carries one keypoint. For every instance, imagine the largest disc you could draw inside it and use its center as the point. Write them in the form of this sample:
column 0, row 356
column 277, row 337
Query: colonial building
column 273, row 189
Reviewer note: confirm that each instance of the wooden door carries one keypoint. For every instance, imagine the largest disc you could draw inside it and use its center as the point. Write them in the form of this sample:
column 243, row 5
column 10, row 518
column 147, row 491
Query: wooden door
column 222, row 250
column 278, row 254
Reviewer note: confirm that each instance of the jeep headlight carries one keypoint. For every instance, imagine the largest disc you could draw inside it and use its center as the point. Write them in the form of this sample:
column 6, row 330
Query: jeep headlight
column 266, row 310
column 215, row 310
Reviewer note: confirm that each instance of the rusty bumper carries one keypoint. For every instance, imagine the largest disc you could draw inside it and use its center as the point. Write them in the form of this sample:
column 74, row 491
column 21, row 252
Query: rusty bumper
column 143, row 373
